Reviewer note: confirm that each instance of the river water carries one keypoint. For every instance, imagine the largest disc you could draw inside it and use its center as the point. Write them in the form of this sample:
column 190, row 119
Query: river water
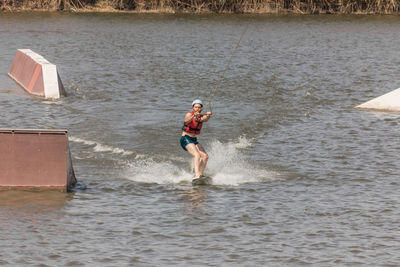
column 299, row 176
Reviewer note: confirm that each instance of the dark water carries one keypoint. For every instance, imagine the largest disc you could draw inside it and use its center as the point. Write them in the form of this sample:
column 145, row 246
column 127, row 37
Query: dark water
column 300, row 177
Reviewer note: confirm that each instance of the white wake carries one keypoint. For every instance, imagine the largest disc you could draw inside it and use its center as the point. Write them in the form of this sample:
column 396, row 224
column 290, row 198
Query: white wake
column 227, row 166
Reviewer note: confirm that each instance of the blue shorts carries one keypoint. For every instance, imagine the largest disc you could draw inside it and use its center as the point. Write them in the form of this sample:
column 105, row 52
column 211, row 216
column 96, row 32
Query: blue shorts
column 186, row 139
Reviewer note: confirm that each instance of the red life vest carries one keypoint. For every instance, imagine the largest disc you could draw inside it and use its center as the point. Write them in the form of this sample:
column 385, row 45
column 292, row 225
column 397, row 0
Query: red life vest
column 194, row 126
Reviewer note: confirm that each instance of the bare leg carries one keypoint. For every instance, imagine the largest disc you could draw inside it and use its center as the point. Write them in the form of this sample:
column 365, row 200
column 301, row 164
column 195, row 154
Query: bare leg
column 204, row 158
column 194, row 151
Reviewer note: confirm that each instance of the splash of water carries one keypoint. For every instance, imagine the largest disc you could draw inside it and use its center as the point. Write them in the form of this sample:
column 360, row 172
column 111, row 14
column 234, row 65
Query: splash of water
column 227, row 166
column 150, row 171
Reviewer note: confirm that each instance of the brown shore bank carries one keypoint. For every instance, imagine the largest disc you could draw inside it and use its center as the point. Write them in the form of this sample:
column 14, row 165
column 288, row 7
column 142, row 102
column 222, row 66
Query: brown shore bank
column 208, row 6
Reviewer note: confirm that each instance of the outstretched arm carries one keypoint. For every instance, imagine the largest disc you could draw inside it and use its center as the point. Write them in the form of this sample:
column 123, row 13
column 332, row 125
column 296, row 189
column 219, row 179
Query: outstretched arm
column 206, row 117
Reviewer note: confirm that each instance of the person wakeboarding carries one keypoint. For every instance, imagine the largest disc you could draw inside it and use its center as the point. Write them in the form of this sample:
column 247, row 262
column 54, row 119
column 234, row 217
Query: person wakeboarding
column 191, row 127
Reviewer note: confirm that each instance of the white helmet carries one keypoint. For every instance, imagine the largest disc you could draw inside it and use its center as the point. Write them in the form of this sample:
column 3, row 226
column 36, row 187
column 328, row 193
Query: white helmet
column 197, row 101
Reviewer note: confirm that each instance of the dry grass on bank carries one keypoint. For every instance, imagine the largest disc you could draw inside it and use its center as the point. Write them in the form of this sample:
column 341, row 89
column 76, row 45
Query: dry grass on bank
column 209, row 6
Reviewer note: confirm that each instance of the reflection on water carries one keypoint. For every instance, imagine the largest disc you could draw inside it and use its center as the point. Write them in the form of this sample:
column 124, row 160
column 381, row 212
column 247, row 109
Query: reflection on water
column 27, row 213
column 195, row 196
column 43, row 200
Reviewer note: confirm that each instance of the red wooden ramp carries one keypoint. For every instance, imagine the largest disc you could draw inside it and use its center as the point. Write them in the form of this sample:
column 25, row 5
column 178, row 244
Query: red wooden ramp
column 35, row 159
column 36, row 75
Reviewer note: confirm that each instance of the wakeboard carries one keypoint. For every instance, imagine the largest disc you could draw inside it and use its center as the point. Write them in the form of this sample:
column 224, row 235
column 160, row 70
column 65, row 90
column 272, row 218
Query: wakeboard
column 204, row 180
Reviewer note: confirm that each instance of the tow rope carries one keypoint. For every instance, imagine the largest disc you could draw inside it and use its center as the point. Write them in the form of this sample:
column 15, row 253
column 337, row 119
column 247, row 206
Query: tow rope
column 214, row 91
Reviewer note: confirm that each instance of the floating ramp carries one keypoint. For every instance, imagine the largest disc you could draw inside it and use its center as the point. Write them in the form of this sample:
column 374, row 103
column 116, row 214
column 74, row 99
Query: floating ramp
column 36, row 75
column 386, row 102
column 35, row 159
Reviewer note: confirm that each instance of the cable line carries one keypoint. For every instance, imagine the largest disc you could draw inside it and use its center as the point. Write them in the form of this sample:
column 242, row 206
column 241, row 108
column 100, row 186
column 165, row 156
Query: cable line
column 226, row 68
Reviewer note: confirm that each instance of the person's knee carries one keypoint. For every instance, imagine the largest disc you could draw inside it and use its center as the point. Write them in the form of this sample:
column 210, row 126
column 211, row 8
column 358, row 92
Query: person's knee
column 204, row 157
column 196, row 156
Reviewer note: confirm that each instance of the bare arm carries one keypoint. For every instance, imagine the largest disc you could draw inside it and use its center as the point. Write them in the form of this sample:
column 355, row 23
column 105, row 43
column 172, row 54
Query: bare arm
column 206, row 117
column 189, row 117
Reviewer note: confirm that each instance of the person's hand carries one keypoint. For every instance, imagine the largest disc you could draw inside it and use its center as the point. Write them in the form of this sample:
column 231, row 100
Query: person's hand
column 196, row 113
column 209, row 114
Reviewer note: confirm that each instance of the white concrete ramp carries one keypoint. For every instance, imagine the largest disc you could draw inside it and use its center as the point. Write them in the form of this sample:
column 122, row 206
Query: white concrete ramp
column 386, row 102
column 36, row 75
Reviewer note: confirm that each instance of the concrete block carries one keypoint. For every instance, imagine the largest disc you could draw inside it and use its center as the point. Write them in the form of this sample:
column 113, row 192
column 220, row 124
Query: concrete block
column 36, row 75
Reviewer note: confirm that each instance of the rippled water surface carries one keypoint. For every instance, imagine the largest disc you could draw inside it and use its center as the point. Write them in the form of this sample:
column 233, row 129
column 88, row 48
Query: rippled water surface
column 299, row 176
